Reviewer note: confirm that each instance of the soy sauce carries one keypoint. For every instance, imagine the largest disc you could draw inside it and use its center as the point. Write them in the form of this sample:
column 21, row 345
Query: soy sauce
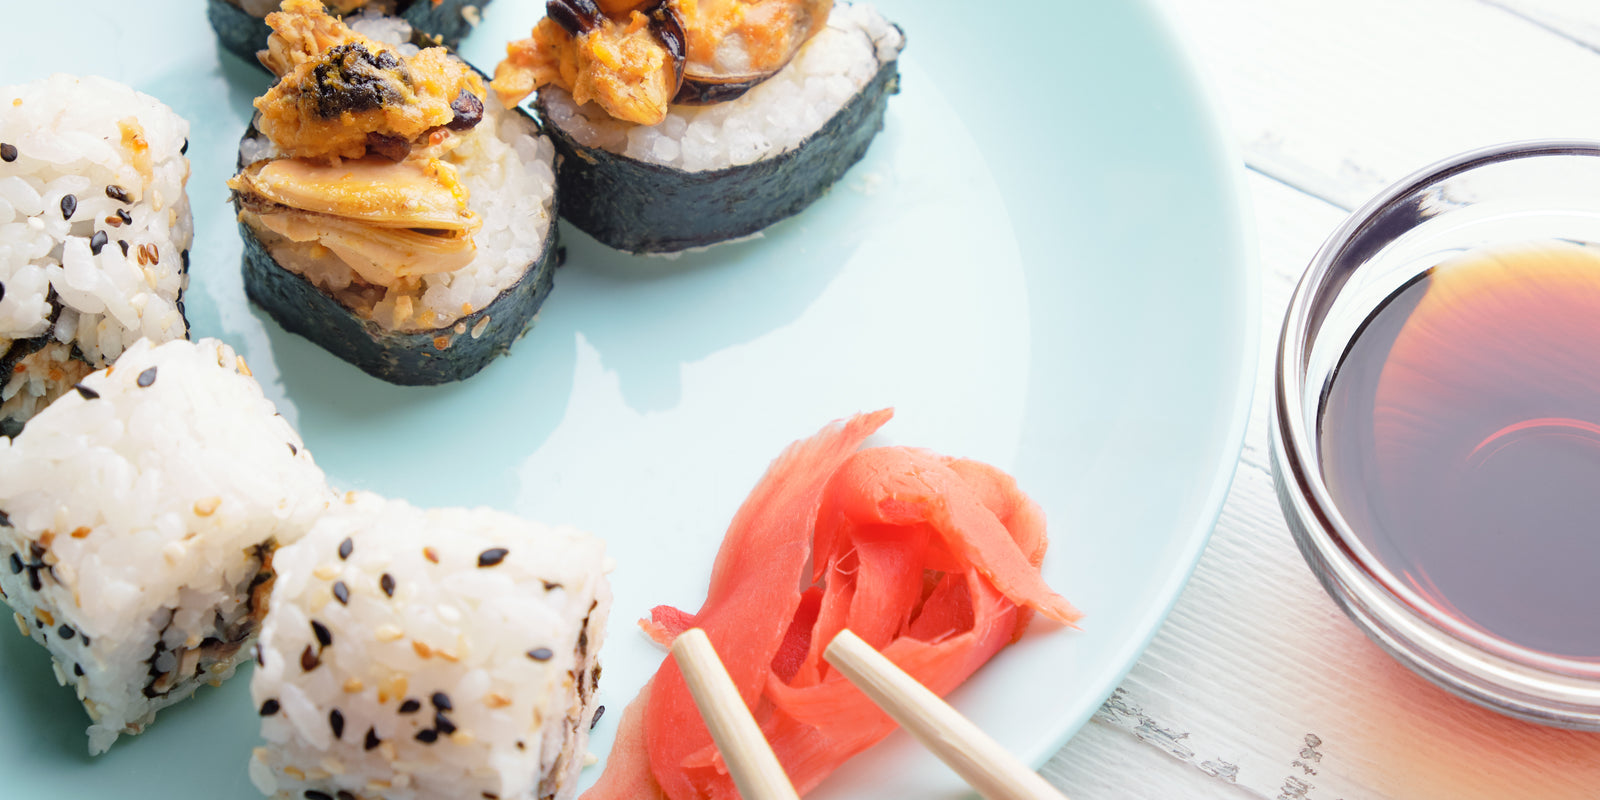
column 1461, row 439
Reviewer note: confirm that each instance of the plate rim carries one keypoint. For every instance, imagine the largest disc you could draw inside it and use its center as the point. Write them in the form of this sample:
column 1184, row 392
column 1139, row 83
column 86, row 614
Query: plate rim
column 1228, row 157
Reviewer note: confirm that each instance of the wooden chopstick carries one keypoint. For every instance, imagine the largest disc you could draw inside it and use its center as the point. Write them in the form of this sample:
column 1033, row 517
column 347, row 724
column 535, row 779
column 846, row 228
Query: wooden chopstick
column 755, row 770
column 978, row 759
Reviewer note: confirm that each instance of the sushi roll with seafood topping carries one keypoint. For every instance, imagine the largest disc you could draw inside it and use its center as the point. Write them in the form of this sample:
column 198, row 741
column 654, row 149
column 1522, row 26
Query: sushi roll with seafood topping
column 444, row 653
column 139, row 515
column 392, row 211
column 94, row 233
column 241, row 25
column 684, row 123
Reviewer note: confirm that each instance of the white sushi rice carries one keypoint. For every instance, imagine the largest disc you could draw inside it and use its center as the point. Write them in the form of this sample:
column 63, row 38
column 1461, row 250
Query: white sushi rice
column 78, row 136
column 377, row 23
column 773, row 118
column 509, row 172
column 137, row 515
column 425, row 654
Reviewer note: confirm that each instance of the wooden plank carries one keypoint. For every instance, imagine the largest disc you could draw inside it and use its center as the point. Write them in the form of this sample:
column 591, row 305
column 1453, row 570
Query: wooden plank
column 1344, row 98
column 1574, row 19
column 1106, row 763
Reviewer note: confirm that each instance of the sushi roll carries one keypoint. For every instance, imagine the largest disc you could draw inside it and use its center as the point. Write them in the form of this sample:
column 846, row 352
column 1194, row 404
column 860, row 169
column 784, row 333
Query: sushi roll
column 139, row 514
column 429, row 654
column 684, row 124
column 241, row 25
column 94, row 233
column 391, row 211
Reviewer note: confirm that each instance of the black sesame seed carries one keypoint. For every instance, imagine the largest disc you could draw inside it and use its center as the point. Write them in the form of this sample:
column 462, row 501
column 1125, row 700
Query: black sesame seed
column 371, row 741
column 77, row 669
column 443, row 724
column 598, row 713
column 5, row 519
column 86, row 392
column 341, row 593
column 39, row 623
column 66, row 632
column 541, row 654
column 410, row 706
column 8, row 152
column 520, row 745
column 16, row 564
column 184, row 150
column 346, row 547
column 548, row 585
column 336, row 722
column 261, row 658
column 386, row 583
column 37, row 550
column 324, row 636
column 98, row 242
column 122, row 214
column 122, row 243
column 344, row 795
column 146, row 378
column 34, row 582
column 293, row 451
column 118, row 193
column 69, row 206
column 427, row 736
column 2, row 291
column 309, row 660
column 85, row 640
column 489, row 558
column 313, row 794
column 441, row 701
column 270, row 707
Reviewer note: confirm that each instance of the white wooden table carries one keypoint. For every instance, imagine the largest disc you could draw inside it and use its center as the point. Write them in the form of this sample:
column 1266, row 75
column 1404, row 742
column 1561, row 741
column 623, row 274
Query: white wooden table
column 1258, row 686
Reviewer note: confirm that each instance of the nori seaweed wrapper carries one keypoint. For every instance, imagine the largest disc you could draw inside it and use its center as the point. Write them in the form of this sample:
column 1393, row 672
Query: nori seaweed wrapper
column 423, row 358
column 244, row 35
column 647, row 208
column 20, row 349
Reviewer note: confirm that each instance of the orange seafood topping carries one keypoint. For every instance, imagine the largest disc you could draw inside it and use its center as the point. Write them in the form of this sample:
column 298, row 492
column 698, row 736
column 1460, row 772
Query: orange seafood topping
column 362, row 132
column 338, row 87
column 770, row 32
column 619, row 65
column 634, row 69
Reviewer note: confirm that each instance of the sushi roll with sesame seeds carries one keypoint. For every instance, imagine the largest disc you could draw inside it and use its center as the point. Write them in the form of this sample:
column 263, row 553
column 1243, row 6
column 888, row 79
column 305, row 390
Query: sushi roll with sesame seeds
column 391, row 211
column 429, row 654
column 94, row 233
column 241, row 25
column 685, row 123
column 139, row 515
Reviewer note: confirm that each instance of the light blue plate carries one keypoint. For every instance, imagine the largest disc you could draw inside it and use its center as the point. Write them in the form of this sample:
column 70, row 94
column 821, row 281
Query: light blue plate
column 1041, row 263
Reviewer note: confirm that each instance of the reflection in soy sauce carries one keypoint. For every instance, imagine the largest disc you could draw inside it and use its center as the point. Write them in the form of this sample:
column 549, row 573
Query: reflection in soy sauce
column 1461, row 438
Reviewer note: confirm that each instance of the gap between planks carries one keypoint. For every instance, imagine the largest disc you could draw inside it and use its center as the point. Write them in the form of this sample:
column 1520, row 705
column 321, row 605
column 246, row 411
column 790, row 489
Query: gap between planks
column 1560, row 17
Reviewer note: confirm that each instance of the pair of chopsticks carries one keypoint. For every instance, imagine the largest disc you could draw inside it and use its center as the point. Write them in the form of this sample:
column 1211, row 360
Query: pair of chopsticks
column 978, row 759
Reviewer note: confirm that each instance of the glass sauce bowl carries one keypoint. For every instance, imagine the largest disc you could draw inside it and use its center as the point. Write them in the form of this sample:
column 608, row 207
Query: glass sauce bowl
column 1513, row 193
